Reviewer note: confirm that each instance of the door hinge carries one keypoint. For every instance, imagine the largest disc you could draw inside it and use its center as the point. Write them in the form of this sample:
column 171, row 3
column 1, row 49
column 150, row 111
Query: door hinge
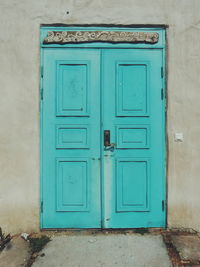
column 162, row 73
column 163, row 205
column 42, row 71
column 41, row 206
column 41, row 93
column 162, row 93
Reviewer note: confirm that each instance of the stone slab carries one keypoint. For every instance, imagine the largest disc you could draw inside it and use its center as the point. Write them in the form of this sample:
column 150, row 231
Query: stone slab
column 16, row 253
column 188, row 247
column 120, row 250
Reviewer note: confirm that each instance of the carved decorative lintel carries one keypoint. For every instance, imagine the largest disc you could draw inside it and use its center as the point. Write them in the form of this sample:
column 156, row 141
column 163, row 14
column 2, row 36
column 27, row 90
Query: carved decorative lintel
column 65, row 37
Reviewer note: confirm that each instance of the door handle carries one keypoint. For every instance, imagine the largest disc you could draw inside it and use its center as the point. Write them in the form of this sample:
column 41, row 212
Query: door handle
column 106, row 138
column 107, row 143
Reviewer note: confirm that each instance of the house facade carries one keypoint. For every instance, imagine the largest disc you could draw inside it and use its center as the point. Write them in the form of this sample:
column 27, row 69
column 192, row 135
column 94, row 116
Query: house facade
column 98, row 127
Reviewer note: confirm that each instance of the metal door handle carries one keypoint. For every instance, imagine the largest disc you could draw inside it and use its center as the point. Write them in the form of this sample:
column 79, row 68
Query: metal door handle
column 107, row 143
column 106, row 138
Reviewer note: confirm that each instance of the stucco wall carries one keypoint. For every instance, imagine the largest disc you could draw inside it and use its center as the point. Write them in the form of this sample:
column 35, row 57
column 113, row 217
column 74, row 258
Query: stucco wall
column 19, row 101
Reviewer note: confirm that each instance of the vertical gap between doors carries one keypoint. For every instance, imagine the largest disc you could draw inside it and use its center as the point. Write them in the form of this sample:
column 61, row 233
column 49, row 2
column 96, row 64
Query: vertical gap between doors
column 101, row 142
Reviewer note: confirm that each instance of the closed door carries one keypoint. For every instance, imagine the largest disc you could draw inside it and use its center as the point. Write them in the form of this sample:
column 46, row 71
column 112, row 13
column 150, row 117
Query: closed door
column 102, row 138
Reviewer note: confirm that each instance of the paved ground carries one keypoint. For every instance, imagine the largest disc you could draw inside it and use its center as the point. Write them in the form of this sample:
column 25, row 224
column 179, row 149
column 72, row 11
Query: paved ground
column 105, row 248
column 109, row 250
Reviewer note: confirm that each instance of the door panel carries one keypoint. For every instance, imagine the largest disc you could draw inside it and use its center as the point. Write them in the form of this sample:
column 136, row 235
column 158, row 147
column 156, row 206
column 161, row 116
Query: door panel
column 71, row 139
column 132, row 110
column 132, row 88
column 132, row 189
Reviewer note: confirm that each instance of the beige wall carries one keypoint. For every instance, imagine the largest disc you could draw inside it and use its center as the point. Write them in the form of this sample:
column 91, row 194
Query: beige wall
column 19, row 101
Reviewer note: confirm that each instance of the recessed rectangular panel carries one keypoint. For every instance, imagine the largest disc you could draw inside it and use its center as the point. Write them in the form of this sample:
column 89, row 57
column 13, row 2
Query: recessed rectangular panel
column 72, row 86
column 132, row 136
column 72, row 185
column 132, row 185
column 132, row 89
column 72, row 136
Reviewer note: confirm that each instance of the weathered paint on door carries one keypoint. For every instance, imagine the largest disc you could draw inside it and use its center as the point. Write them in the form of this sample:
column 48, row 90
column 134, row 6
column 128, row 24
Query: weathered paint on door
column 85, row 92
column 71, row 138
column 132, row 111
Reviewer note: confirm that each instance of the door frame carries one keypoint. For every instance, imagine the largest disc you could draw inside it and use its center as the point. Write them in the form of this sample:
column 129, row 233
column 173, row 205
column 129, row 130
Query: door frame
column 161, row 44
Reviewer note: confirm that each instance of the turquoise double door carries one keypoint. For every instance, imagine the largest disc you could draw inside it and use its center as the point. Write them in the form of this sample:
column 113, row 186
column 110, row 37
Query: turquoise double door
column 102, row 138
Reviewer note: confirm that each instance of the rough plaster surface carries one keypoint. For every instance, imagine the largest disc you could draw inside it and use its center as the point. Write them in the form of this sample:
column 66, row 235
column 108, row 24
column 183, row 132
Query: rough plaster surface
column 19, row 102
column 101, row 250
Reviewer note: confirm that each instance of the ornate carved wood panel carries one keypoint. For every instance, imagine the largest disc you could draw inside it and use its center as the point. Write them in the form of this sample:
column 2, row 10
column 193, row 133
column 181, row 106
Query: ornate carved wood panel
column 64, row 37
